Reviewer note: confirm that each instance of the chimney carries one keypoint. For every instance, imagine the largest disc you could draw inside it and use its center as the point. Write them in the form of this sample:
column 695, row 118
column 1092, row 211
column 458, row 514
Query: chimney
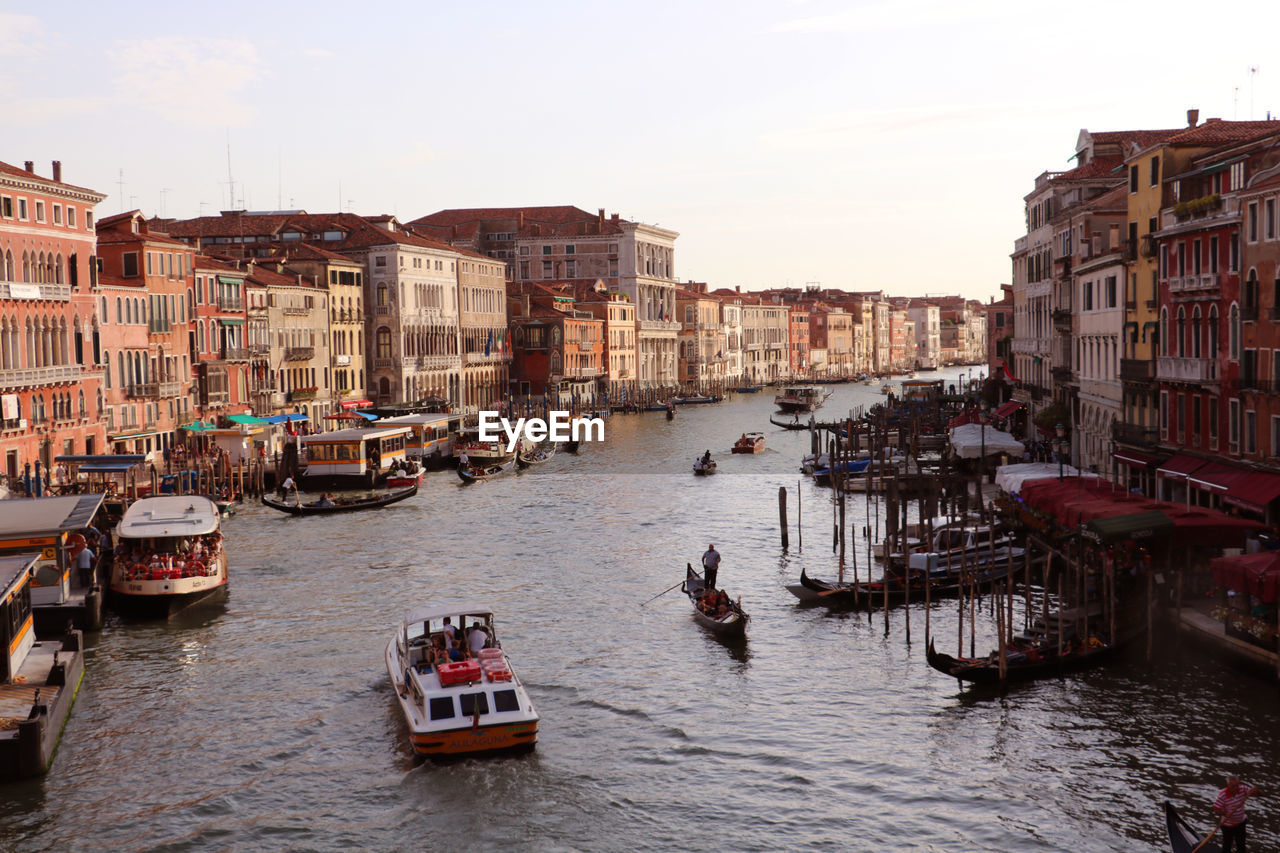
column 737, row 288
column 1193, row 116
column 600, row 217
column 520, row 219
column 57, row 171
column 29, row 165
column 614, row 217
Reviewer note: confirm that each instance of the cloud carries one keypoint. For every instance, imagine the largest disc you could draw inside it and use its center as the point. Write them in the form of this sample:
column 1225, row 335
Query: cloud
column 188, row 80
column 21, row 35
column 417, row 154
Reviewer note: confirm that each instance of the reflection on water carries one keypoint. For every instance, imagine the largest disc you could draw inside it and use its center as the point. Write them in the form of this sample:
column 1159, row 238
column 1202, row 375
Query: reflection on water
column 267, row 722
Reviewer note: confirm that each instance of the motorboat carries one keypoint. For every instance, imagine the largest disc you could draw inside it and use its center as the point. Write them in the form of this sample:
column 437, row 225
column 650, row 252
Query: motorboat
column 458, row 707
column 751, row 442
column 172, row 555
column 799, row 398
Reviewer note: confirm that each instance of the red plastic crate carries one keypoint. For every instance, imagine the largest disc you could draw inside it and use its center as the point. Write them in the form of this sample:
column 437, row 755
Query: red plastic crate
column 458, row 672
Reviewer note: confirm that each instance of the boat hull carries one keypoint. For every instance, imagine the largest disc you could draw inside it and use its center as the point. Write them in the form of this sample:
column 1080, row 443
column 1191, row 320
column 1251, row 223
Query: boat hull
column 481, row 740
column 371, row 503
column 733, row 626
column 987, row 670
column 161, row 605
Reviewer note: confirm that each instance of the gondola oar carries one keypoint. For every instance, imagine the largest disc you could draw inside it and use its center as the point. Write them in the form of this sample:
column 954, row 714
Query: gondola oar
column 1212, row 833
column 673, row 586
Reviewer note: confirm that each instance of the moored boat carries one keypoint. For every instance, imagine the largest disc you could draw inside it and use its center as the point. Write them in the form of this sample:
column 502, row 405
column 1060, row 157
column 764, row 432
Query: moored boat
column 326, row 505
column 729, row 621
column 464, row 707
column 690, row 399
column 535, row 456
column 1025, row 660
column 172, row 555
column 751, row 442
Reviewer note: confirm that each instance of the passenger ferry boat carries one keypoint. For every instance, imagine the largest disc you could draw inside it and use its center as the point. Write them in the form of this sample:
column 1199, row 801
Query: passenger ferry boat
column 459, row 708
column 172, row 555
column 479, row 452
column 354, row 457
column 799, row 398
column 431, row 436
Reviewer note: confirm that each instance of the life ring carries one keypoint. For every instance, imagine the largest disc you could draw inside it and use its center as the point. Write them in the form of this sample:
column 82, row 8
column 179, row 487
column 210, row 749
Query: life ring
column 196, row 569
column 137, row 571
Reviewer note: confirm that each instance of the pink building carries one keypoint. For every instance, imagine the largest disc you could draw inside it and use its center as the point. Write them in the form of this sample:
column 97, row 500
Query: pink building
column 50, row 382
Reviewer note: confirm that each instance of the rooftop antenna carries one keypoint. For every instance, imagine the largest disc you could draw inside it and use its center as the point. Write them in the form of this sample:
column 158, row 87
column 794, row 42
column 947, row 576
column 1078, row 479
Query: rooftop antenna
column 162, row 192
column 120, row 184
column 1253, row 73
column 279, row 181
column 231, row 183
column 1235, row 103
column 202, row 205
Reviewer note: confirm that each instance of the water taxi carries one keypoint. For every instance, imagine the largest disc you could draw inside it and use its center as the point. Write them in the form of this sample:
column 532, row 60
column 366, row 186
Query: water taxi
column 799, row 398
column 477, row 705
column 751, row 442
column 356, row 457
column 172, row 555
column 431, row 436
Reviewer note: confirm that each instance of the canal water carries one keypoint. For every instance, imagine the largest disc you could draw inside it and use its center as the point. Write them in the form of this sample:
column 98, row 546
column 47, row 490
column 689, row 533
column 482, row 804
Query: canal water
column 267, row 722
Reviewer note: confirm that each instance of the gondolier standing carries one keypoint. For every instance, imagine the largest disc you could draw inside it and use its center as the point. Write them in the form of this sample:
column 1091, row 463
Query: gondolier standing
column 1230, row 804
column 711, row 566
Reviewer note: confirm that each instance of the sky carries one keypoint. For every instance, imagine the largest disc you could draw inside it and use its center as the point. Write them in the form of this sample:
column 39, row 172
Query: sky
column 857, row 145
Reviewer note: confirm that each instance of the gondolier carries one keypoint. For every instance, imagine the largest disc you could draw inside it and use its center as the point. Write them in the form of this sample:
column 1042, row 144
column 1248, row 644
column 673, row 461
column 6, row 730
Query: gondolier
column 1230, row 805
column 711, row 566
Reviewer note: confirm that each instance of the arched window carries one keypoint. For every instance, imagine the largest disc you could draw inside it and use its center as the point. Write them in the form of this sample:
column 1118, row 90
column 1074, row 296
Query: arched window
column 383, row 342
column 1164, row 331
column 1195, row 332
column 1182, row 331
column 106, row 373
column 1212, row 350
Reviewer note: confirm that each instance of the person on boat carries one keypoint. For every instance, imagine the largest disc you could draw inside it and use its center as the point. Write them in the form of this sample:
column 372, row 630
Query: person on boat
column 477, row 638
column 325, row 500
column 285, row 487
column 464, row 462
column 1230, row 805
column 450, row 633
column 711, row 566
column 437, row 654
column 706, row 459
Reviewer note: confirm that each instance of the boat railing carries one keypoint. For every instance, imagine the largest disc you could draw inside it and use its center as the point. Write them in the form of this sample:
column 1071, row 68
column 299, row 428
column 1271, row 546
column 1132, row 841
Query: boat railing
column 196, row 562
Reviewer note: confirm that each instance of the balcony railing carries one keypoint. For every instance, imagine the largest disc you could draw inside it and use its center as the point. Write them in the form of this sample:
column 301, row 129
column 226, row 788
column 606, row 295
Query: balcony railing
column 264, row 399
column 1137, row 370
column 153, row 390
column 31, row 377
column 1264, row 386
column 1142, row 436
column 494, row 357
column 295, row 311
column 1061, row 316
column 383, row 363
column 216, row 398
column 299, row 353
column 235, row 354
column 1175, row 369
column 302, row 394
column 382, row 309
column 234, row 303
column 1061, row 374
column 24, row 290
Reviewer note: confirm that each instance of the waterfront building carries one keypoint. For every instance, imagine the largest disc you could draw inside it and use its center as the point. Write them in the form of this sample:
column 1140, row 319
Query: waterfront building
column 51, row 379
column 144, row 280
column 344, row 280
column 557, row 350
column 819, row 361
column 546, row 244
column 840, row 354
column 618, row 314
column 1000, row 327
column 217, row 344
column 899, row 356
column 702, row 361
column 765, row 331
column 297, row 313
column 731, row 328
column 928, row 341
column 482, row 325
column 799, row 341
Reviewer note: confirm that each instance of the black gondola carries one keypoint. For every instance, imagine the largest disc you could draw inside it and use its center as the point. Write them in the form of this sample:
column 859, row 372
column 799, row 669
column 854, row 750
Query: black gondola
column 537, row 457
column 471, row 473
column 1182, row 838
column 842, row 593
column 792, row 424
column 731, row 625
column 341, row 504
column 1024, row 663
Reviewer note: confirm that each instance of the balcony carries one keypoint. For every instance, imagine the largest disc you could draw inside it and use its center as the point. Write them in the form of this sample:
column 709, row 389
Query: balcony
column 299, row 353
column 480, row 358
column 264, row 399
column 1062, row 316
column 235, row 354
column 24, row 290
column 1261, row 386
column 32, row 377
column 1134, row 434
column 1061, row 374
column 259, row 350
column 295, row 311
column 383, row 363
column 217, row 398
column 1137, row 370
column 382, row 309
column 298, row 394
column 232, row 303
column 1174, row 369
column 1062, row 267
column 342, row 360
column 153, row 390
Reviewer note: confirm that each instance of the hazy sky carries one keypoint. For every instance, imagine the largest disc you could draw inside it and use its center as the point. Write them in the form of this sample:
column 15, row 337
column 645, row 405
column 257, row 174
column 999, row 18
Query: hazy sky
column 860, row 145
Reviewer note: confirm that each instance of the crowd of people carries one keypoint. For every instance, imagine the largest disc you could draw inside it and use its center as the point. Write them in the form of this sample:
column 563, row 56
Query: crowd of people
column 188, row 557
column 451, row 646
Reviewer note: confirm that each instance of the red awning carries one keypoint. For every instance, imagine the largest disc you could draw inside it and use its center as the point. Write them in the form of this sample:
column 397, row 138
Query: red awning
column 355, row 404
column 1180, row 466
column 1253, row 492
column 1253, row 574
column 1216, row 478
column 1133, row 457
column 1008, row 408
column 963, row 418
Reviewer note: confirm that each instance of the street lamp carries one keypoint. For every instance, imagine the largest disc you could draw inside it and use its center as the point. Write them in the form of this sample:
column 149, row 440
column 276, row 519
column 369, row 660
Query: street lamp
column 1061, row 432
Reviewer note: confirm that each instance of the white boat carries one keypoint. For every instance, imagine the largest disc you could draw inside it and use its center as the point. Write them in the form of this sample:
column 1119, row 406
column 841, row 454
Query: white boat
column 799, row 398
column 172, row 555
column 886, row 388
column 480, row 452
column 464, row 707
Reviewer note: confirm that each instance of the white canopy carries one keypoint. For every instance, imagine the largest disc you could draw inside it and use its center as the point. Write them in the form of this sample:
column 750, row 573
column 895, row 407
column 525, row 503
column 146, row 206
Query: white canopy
column 970, row 442
column 1011, row 477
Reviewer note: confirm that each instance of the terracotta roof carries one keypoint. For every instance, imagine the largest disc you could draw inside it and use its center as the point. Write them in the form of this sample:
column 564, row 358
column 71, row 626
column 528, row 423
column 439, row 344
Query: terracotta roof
column 208, row 262
column 559, row 221
column 1215, row 131
column 1099, row 167
column 1142, row 138
column 266, row 275
column 310, row 252
column 8, row 169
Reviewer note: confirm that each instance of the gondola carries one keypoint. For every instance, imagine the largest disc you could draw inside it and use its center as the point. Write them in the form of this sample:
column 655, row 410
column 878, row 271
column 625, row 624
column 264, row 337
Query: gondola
column 1184, row 839
column 1023, row 663
column 537, row 457
column 342, row 504
column 729, row 626
column 471, row 473
column 794, row 424
column 842, row 593
column 571, row 446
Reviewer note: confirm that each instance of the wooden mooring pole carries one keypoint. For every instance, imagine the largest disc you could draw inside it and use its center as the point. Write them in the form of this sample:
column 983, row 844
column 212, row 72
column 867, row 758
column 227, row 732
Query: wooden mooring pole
column 782, row 514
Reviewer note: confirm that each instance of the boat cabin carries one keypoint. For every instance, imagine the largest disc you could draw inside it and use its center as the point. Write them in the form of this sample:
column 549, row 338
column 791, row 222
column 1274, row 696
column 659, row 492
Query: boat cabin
column 431, row 436
column 43, row 527
column 421, row 627
column 364, row 454
column 17, row 627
